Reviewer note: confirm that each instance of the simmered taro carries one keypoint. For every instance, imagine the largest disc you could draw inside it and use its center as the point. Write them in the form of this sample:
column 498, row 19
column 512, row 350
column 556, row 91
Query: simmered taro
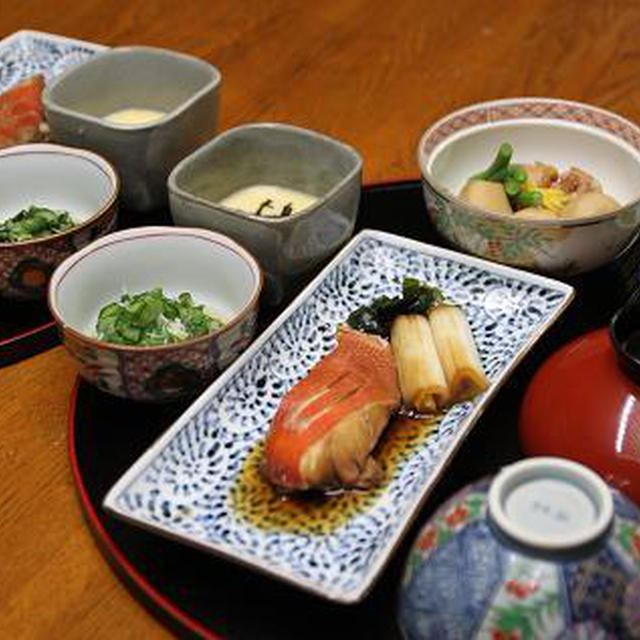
column 536, row 191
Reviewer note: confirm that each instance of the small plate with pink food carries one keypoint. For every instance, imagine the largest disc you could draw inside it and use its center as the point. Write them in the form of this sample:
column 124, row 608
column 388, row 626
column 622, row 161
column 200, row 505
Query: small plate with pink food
column 328, row 517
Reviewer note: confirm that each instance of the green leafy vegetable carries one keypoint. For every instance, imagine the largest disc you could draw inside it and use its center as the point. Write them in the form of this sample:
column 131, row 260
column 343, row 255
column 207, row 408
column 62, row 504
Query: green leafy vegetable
column 34, row 222
column 497, row 170
column 151, row 318
column 377, row 316
column 524, row 199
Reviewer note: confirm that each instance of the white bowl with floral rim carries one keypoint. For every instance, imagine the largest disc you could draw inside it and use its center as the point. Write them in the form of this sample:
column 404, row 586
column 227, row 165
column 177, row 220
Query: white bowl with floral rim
column 214, row 269
column 549, row 130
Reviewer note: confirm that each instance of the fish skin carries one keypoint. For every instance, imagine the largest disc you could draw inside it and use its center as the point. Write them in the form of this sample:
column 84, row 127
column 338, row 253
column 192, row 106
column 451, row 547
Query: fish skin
column 327, row 424
column 21, row 112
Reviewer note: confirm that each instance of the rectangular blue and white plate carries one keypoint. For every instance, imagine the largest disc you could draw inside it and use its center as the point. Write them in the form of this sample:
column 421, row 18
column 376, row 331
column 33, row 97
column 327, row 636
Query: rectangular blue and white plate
column 25, row 53
column 199, row 483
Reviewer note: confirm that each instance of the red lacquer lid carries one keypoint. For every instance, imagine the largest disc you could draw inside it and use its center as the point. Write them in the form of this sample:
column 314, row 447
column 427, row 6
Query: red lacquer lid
column 581, row 405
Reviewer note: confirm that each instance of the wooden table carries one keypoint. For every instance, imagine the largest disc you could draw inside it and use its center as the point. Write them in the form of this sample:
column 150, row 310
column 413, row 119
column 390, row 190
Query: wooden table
column 373, row 73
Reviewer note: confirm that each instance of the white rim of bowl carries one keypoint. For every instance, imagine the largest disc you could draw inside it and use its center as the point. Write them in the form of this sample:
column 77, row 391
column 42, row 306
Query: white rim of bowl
column 550, row 467
column 452, row 198
column 57, row 149
column 142, row 232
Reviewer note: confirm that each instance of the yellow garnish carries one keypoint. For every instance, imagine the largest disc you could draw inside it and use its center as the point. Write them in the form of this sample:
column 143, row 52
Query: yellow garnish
column 554, row 199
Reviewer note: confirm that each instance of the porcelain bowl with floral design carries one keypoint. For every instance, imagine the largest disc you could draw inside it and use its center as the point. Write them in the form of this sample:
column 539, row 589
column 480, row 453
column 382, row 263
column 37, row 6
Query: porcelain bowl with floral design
column 548, row 130
column 60, row 178
column 545, row 549
column 214, row 269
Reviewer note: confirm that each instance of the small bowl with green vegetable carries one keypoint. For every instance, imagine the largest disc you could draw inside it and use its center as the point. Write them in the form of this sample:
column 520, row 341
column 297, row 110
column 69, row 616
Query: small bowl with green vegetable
column 545, row 184
column 155, row 313
column 54, row 200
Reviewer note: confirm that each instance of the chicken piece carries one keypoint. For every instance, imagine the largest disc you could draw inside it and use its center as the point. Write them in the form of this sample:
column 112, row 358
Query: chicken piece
column 578, row 181
column 328, row 424
column 540, row 174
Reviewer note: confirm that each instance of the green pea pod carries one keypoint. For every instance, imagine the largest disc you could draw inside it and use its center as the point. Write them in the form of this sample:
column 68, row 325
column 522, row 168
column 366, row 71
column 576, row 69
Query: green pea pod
column 500, row 175
column 526, row 199
column 500, row 162
column 511, row 186
column 517, row 173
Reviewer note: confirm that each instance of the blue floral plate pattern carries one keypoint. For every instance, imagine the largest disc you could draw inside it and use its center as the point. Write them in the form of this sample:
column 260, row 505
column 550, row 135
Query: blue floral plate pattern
column 184, row 486
column 26, row 53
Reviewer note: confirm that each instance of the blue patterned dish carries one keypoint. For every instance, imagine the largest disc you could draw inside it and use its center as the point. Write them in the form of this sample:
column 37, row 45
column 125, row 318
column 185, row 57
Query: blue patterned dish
column 559, row 561
column 197, row 482
column 26, row 53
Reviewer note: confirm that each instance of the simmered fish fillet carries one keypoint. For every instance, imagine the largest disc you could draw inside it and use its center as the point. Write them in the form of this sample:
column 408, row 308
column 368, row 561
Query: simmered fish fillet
column 328, row 424
column 21, row 112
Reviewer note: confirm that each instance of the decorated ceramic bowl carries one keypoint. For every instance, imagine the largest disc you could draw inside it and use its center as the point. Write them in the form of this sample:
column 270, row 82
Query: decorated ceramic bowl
column 583, row 404
column 144, row 120
column 217, row 272
column 325, row 172
column 59, row 178
column 540, row 129
column 544, row 550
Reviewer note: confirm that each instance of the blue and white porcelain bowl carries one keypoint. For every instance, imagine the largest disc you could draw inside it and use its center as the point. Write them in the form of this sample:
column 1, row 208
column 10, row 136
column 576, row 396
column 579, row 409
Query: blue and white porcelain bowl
column 544, row 550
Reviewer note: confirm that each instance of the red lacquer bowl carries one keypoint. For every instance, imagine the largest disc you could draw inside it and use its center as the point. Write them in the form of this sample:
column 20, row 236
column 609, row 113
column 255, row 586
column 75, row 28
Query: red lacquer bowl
column 581, row 405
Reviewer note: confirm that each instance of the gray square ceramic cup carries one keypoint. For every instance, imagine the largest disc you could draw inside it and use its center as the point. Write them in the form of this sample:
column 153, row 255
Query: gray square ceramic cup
column 185, row 88
column 279, row 155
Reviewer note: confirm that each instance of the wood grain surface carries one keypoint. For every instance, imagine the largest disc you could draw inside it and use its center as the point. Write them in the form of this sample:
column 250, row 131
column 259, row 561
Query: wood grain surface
column 373, row 73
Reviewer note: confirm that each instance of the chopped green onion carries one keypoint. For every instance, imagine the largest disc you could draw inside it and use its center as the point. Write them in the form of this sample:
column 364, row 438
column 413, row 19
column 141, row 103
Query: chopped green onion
column 151, row 318
column 34, row 222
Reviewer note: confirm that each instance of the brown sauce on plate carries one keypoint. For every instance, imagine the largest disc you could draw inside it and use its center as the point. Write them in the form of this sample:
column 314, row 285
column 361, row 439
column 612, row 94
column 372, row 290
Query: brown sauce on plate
column 259, row 503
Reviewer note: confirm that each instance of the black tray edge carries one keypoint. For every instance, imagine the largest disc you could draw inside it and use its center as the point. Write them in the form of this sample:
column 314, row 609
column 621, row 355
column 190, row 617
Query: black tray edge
column 157, row 604
column 31, row 342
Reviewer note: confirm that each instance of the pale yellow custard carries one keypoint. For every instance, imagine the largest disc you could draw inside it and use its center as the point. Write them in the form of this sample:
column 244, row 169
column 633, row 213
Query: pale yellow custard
column 134, row 116
column 269, row 201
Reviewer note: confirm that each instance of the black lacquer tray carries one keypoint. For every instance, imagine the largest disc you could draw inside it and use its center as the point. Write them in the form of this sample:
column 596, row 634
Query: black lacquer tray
column 26, row 328
column 197, row 595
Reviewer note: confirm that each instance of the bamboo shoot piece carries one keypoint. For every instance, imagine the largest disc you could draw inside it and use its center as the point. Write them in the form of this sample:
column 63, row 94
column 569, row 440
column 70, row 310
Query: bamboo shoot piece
column 422, row 381
column 458, row 353
column 486, row 195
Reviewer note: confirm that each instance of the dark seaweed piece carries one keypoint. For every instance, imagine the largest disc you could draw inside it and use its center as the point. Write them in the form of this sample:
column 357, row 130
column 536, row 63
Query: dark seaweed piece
column 378, row 315
column 266, row 204
column 419, row 297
